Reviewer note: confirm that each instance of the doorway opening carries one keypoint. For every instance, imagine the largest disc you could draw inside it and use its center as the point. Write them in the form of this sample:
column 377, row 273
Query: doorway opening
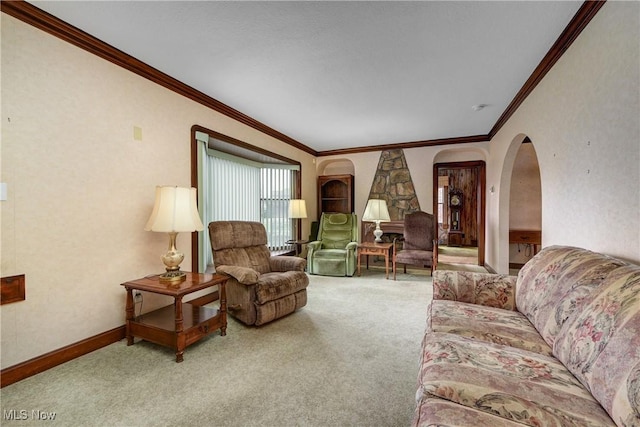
column 459, row 206
column 525, row 207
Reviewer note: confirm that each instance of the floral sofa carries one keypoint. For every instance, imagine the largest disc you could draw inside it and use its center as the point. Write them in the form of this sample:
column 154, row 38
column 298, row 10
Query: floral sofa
column 557, row 346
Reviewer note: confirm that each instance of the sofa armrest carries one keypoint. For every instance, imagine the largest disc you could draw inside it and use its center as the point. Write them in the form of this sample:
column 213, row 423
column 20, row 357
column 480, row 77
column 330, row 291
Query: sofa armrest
column 493, row 290
column 287, row 263
column 351, row 246
column 244, row 275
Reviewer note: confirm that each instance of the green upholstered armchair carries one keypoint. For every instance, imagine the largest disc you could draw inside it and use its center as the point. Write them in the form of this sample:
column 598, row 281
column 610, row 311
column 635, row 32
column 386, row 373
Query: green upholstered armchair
column 334, row 253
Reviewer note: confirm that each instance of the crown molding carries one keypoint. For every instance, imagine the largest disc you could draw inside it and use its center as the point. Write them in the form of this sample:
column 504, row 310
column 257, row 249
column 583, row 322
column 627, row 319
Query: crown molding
column 36, row 17
column 404, row 145
column 578, row 23
column 48, row 23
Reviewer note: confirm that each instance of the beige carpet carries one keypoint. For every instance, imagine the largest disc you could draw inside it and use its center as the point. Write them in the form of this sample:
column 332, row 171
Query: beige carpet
column 349, row 358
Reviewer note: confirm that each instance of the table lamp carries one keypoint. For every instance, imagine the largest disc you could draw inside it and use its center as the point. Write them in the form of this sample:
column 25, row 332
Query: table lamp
column 175, row 211
column 377, row 212
column 297, row 210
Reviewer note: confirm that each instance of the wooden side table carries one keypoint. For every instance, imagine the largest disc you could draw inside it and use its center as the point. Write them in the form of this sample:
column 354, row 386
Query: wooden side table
column 181, row 324
column 298, row 244
column 383, row 249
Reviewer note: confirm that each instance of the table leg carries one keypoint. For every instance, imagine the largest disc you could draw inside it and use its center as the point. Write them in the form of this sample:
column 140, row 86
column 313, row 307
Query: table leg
column 130, row 308
column 223, row 309
column 359, row 258
column 180, row 338
column 386, row 264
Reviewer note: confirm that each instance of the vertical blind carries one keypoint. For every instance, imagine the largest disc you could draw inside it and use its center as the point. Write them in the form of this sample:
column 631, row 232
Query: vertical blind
column 238, row 189
column 235, row 191
column 277, row 190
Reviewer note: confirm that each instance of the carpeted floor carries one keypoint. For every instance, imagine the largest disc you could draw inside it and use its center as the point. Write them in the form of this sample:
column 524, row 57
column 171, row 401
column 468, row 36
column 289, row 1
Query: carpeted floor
column 349, row 358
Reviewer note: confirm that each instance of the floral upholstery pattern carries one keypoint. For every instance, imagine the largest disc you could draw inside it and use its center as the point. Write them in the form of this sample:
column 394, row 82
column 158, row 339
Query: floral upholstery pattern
column 601, row 345
column 514, row 384
column 439, row 412
column 559, row 346
column 486, row 324
column 557, row 282
column 493, row 290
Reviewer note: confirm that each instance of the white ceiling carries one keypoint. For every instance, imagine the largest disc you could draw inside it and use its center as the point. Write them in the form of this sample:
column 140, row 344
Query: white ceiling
column 339, row 74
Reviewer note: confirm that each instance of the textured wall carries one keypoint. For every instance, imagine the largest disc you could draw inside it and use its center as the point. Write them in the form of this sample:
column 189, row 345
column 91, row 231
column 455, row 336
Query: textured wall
column 80, row 187
column 583, row 121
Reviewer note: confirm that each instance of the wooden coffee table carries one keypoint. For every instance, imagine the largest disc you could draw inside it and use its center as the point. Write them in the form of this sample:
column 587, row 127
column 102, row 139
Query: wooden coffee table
column 181, row 324
column 383, row 249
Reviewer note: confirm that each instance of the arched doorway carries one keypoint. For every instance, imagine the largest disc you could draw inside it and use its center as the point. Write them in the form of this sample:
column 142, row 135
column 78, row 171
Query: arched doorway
column 504, row 202
column 525, row 207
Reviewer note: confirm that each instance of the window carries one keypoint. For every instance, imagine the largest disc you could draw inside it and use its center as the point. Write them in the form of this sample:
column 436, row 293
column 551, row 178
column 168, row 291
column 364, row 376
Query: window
column 277, row 186
column 443, row 190
column 241, row 184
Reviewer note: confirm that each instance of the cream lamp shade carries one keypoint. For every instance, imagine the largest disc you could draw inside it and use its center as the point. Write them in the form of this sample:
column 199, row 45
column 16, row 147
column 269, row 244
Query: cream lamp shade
column 377, row 212
column 297, row 208
column 175, row 210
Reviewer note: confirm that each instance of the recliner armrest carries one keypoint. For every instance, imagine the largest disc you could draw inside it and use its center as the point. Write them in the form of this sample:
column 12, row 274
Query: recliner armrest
column 351, row 246
column 244, row 275
column 315, row 245
column 287, row 263
column 493, row 290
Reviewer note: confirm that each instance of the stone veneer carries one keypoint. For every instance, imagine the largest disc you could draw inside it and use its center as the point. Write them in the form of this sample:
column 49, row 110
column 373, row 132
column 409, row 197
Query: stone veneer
column 392, row 182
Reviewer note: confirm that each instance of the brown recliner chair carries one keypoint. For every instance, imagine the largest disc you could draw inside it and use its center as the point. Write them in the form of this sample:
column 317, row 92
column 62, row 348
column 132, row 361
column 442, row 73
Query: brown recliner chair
column 418, row 245
column 261, row 287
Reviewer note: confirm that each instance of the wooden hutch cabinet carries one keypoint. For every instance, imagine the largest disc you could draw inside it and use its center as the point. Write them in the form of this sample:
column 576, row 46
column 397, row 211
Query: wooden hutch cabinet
column 335, row 194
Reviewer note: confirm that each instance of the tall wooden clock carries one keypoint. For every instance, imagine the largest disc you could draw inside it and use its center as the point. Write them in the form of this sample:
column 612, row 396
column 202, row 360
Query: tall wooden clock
column 455, row 211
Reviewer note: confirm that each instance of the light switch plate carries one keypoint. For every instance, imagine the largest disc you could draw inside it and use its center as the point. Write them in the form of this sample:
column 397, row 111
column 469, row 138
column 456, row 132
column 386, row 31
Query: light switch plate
column 137, row 133
column 3, row 191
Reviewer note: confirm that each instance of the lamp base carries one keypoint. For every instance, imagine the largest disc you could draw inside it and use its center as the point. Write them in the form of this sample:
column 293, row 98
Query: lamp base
column 172, row 260
column 378, row 233
column 173, row 277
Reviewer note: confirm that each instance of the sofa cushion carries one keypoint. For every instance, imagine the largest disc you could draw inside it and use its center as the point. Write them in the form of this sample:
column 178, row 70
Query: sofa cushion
column 557, row 282
column 433, row 411
column 601, row 345
column 512, row 383
column 272, row 286
column 494, row 290
column 486, row 324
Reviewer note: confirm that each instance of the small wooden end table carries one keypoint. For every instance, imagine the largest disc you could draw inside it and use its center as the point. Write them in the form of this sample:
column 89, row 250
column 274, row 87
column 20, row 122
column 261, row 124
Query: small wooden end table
column 372, row 248
column 298, row 244
column 181, row 324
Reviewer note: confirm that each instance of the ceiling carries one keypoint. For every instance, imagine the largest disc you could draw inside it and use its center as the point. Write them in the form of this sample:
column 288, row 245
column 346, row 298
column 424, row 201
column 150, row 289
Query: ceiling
column 336, row 75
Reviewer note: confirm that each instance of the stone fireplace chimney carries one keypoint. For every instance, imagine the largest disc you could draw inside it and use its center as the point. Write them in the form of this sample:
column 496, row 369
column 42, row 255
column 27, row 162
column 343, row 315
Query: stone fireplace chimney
column 392, row 182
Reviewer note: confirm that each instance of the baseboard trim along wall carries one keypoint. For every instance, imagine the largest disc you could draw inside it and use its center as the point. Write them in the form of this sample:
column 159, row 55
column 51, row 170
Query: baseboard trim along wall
column 54, row 358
